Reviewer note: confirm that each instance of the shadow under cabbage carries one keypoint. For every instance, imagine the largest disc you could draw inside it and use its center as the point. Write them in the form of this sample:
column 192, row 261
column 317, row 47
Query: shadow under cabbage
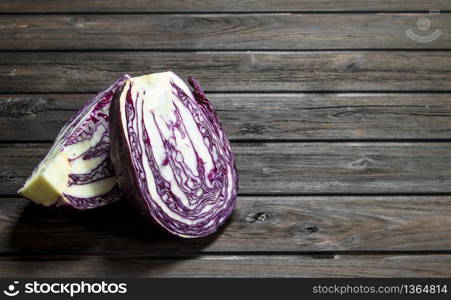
column 115, row 230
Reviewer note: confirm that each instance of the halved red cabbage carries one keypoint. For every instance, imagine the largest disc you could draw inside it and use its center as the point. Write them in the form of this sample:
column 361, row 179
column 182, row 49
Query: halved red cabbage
column 171, row 154
column 77, row 171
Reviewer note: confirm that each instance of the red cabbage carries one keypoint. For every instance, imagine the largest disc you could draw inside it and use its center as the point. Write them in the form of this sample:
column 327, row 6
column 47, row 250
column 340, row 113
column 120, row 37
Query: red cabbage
column 171, row 155
column 77, row 171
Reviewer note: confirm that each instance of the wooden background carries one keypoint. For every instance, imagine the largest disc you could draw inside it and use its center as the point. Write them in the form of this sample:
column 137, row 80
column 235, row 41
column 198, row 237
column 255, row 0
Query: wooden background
column 341, row 125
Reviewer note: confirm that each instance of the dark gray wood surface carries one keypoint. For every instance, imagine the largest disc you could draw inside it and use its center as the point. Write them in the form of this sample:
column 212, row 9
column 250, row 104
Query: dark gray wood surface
column 141, row 6
column 273, row 116
column 263, row 224
column 397, row 265
column 231, row 71
column 341, row 125
column 217, row 31
column 299, row 168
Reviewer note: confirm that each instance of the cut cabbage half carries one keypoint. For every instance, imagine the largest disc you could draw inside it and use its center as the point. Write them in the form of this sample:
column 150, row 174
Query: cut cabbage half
column 171, row 154
column 77, row 171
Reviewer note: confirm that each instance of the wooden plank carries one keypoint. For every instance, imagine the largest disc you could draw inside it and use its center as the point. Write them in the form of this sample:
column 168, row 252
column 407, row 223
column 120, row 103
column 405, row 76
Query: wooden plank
column 300, row 168
column 140, row 6
column 258, row 225
column 54, row 72
column 263, row 116
column 232, row 266
column 219, row 32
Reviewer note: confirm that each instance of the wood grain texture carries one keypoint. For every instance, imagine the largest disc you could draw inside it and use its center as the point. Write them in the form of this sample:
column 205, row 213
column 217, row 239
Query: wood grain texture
column 232, row 266
column 300, row 168
column 20, row 6
column 46, row 72
column 258, row 225
column 313, row 79
column 263, row 116
column 219, row 32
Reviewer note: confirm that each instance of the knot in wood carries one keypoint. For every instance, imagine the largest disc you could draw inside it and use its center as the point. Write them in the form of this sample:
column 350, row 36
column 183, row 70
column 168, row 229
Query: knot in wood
column 260, row 217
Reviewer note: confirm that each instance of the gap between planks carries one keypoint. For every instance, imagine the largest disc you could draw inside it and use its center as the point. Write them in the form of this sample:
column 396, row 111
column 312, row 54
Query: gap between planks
column 225, row 12
column 226, row 255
